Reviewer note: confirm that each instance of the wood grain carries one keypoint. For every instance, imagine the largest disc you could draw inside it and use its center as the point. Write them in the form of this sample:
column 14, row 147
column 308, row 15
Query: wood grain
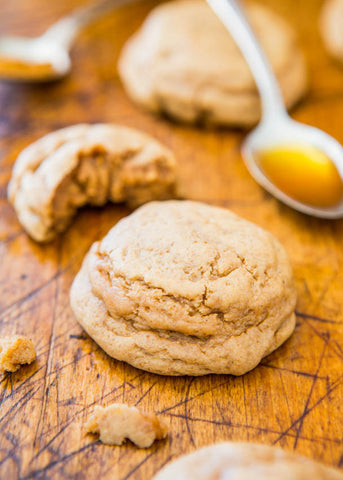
column 292, row 400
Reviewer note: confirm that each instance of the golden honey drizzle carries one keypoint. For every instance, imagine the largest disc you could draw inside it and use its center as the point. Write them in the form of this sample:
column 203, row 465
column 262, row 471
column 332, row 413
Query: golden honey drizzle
column 304, row 173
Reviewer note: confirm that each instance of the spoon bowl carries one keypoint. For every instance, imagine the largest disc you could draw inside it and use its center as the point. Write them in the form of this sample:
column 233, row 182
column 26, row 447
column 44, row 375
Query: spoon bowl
column 33, row 59
column 46, row 58
column 285, row 131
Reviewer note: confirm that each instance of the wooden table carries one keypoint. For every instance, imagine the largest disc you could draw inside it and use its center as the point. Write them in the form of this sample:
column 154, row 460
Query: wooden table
column 294, row 399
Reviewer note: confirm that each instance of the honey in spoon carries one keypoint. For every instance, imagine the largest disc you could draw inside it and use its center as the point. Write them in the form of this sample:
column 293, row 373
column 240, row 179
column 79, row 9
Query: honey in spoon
column 304, row 173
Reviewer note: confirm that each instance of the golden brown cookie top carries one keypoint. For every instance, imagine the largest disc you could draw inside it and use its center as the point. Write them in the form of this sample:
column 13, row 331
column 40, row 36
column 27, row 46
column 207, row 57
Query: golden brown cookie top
column 206, row 257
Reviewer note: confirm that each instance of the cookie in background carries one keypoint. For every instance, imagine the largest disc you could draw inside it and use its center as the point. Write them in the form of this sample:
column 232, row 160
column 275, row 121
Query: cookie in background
column 184, row 63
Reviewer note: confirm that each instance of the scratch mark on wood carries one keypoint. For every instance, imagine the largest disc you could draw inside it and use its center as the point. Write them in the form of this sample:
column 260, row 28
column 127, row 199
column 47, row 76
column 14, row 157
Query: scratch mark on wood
column 21, row 403
column 305, row 411
column 333, row 387
column 137, row 467
column 285, row 394
column 5, row 382
column 245, row 406
column 145, row 394
column 78, row 337
column 289, row 370
column 191, row 380
column 192, row 398
column 167, row 460
column 29, row 295
column 326, row 288
column 230, row 424
column 318, row 319
column 324, row 337
column 34, row 292
column 65, row 458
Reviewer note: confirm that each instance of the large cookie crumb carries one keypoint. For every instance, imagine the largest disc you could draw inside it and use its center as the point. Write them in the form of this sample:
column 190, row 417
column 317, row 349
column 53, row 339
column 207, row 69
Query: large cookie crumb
column 118, row 422
column 15, row 351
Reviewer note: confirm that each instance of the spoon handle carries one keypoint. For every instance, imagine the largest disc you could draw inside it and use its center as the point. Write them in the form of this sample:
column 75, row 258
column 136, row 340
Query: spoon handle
column 65, row 29
column 232, row 16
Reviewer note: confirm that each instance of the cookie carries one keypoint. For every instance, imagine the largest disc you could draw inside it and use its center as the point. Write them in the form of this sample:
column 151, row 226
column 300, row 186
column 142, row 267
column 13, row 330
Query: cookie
column 183, row 62
column 15, row 350
column 331, row 21
column 87, row 164
column 118, row 421
column 245, row 461
column 183, row 288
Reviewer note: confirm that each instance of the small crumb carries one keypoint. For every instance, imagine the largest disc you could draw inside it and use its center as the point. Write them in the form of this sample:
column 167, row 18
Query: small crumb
column 15, row 350
column 118, row 421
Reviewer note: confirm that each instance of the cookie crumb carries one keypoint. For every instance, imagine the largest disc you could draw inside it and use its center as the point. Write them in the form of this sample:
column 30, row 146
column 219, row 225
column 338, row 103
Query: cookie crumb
column 15, row 350
column 118, row 421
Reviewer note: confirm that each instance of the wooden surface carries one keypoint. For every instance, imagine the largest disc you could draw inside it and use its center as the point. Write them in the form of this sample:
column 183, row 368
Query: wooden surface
column 292, row 400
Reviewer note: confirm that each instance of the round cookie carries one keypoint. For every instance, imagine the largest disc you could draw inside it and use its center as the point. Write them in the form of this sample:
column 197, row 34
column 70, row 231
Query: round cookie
column 184, row 288
column 245, row 461
column 183, row 62
column 87, row 164
column 331, row 21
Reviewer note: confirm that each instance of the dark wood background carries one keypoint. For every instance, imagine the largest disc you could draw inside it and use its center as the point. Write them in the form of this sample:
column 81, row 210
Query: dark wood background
column 292, row 400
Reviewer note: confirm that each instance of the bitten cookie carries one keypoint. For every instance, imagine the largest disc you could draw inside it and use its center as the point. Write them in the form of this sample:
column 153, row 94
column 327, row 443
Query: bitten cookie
column 87, row 164
column 183, row 288
column 245, row 461
column 331, row 21
column 183, row 62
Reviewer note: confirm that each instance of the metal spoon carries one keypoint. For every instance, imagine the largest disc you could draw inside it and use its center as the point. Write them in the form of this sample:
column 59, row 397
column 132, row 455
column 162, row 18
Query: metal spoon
column 275, row 127
column 46, row 58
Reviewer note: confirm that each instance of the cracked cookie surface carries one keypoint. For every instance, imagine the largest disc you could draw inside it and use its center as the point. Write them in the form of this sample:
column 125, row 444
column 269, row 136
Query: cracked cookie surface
column 87, row 164
column 180, row 287
column 183, row 62
column 245, row 461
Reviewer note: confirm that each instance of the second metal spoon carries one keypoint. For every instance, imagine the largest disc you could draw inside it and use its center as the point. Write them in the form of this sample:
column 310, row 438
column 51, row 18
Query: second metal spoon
column 46, row 58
